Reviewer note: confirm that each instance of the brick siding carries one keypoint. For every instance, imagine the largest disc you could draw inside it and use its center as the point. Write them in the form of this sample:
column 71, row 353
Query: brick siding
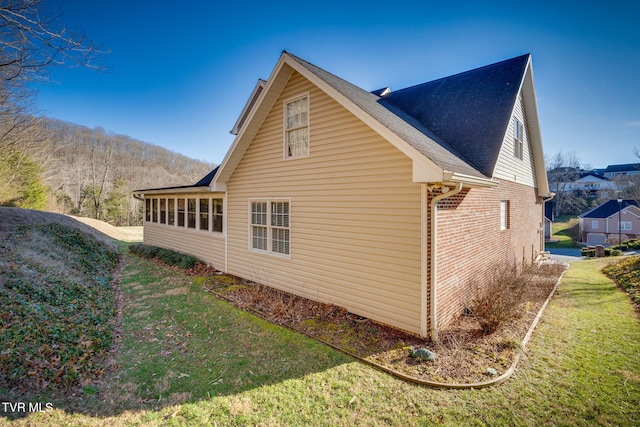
column 470, row 241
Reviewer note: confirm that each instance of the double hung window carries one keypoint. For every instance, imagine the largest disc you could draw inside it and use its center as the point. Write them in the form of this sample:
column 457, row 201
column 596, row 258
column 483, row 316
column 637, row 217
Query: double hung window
column 270, row 226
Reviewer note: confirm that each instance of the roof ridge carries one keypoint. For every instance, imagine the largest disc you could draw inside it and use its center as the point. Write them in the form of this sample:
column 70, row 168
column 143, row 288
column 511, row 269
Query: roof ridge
column 504, row 61
column 372, row 101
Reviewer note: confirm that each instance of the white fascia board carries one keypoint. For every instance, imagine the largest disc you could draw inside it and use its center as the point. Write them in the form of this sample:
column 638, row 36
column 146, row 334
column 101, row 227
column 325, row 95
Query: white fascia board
column 250, row 128
column 188, row 190
column 424, row 169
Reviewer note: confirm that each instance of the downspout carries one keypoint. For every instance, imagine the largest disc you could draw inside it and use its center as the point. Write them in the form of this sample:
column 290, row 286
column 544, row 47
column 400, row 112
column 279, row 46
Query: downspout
column 545, row 199
column 434, row 272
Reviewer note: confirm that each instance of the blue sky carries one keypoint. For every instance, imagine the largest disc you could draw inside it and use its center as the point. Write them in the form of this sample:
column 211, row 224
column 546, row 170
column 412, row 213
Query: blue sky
column 180, row 72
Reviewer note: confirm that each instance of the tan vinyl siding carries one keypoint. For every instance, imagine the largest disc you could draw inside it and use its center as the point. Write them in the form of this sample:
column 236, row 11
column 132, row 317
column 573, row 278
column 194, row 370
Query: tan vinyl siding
column 508, row 166
column 205, row 245
column 354, row 212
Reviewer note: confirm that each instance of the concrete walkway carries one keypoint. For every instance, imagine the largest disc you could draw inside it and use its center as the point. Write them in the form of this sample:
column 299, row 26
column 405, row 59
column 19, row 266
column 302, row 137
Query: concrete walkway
column 565, row 254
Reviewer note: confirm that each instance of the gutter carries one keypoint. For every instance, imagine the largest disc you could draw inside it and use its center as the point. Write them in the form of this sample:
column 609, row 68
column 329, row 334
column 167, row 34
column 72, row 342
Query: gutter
column 434, row 272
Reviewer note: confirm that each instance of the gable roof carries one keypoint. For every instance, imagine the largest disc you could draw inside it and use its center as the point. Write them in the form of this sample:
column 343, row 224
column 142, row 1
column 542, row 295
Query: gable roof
column 397, row 120
column 469, row 110
column 608, row 209
column 435, row 159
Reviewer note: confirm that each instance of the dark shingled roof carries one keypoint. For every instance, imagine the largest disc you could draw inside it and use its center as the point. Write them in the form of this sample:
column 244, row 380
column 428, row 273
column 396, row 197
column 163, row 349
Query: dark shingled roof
column 631, row 167
column 204, row 182
column 470, row 111
column 398, row 121
column 609, row 208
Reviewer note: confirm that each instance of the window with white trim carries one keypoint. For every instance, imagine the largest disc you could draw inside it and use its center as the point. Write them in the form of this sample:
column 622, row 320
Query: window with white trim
column 280, row 227
column 181, row 212
column 595, row 224
column 154, row 210
column 504, row 214
column 204, row 214
column 147, row 210
column 217, row 215
column 625, row 226
column 270, row 226
column 171, row 211
column 191, row 213
column 296, row 128
column 259, row 226
column 518, row 138
column 163, row 211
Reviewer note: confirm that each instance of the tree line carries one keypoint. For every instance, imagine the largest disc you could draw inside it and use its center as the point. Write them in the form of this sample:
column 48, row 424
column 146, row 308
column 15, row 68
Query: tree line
column 89, row 172
column 59, row 166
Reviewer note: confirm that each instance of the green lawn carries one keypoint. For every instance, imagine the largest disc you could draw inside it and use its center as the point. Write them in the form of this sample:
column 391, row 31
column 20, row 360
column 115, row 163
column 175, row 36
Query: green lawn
column 188, row 358
column 560, row 233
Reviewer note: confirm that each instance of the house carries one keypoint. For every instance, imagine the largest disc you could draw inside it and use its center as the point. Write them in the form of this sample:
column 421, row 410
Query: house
column 388, row 203
column 613, row 171
column 609, row 222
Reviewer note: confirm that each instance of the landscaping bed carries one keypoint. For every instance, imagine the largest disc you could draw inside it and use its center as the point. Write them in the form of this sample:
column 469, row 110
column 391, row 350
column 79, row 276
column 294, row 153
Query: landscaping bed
column 464, row 355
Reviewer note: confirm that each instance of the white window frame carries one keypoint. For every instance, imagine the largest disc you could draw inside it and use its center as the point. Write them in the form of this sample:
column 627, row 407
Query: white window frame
column 504, row 215
column 518, row 138
column 171, row 212
column 147, row 209
column 207, row 222
column 625, row 226
column 217, row 214
column 154, row 210
column 595, row 224
column 162, row 213
column 271, row 226
column 290, row 127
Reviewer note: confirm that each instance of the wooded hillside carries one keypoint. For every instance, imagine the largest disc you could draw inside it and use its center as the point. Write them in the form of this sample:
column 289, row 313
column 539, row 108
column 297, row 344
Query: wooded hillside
column 68, row 168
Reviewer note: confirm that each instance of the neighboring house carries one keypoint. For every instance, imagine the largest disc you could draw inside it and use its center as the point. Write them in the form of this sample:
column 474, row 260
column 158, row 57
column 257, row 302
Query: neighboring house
column 596, row 183
column 387, row 203
column 610, row 221
column 613, row 171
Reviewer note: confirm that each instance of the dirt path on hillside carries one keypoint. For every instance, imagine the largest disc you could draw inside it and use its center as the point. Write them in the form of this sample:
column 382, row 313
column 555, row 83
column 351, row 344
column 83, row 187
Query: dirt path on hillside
column 100, row 229
column 125, row 234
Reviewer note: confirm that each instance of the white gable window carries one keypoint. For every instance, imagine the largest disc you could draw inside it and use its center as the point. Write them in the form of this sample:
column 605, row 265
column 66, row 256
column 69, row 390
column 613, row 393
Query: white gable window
column 296, row 128
column 269, row 227
column 594, row 224
column 518, row 139
column 504, row 214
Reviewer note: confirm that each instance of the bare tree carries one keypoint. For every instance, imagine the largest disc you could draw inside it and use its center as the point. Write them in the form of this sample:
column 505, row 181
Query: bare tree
column 562, row 170
column 31, row 42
